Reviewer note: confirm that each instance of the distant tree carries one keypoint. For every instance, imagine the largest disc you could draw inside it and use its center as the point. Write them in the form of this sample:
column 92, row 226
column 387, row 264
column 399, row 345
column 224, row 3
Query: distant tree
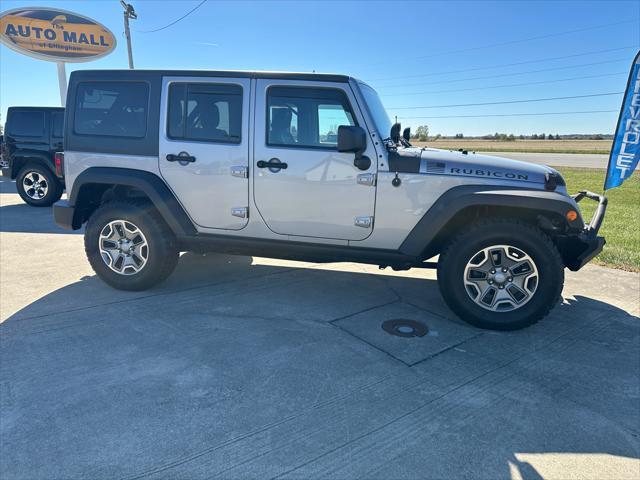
column 534, row 136
column 521, row 137
column 557, row 136
column 511, row 138
column 459, row 135
column 437, row 137
column 422, row 133
column 542, row 136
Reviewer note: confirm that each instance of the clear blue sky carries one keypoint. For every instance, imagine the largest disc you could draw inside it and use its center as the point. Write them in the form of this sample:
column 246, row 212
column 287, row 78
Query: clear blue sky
column 378, row 41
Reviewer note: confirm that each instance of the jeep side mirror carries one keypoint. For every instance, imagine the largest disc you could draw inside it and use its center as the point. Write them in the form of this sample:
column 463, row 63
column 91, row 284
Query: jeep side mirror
column 395, row 132
column 406, row 134
column 351, row 139
column 354, row 139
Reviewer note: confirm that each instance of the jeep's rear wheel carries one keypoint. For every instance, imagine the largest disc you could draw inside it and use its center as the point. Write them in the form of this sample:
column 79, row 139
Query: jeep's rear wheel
column 38, row 186
column 129, row 245
column 501, row 274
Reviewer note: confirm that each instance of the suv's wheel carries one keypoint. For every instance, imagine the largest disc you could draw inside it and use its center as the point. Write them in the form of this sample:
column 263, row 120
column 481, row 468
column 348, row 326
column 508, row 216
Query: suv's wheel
column 129, row 245
column 501, row 274
column 38, row 186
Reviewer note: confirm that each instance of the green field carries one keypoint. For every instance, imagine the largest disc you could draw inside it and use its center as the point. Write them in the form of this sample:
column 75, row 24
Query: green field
column 621, row 225
column 525, row 146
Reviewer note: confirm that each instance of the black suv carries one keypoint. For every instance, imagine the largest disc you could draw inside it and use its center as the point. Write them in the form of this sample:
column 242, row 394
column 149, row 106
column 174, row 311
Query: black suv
column 32, row 137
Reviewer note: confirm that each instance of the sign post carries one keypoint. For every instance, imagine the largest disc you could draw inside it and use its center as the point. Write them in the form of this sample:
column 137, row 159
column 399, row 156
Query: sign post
column 62, row 82
column 57, row 36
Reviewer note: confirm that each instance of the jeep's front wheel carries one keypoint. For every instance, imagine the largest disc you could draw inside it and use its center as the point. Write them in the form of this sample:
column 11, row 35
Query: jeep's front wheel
column 129, row 246
column 501, row 275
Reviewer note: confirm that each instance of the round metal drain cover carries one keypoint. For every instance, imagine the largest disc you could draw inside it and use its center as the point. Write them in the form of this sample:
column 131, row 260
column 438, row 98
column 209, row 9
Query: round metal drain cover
column 405, row 328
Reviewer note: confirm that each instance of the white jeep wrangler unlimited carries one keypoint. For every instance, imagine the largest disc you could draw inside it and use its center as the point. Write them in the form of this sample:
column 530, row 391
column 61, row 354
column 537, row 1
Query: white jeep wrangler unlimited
column 307, row 167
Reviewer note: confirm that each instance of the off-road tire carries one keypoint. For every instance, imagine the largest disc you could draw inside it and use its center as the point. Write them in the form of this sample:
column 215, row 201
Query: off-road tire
column 532, row 241
column 163, row 252
column 54, row 187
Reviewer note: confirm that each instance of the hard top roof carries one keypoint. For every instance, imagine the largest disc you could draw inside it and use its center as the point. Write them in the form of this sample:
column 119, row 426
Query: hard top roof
column 34, row 108
column 327, row 77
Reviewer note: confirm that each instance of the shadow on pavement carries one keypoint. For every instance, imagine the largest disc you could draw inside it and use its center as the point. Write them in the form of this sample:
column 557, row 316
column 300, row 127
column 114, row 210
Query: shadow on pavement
column 233, row 369
column 22, row 218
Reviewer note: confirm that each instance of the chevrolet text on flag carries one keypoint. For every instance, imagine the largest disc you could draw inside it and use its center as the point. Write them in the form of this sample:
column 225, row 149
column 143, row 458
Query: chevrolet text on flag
column 625, row 152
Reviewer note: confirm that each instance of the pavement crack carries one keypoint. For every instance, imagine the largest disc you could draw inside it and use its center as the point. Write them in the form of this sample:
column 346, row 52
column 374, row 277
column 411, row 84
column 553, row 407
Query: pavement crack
column 144, row 297
column 256, row 431
column 445, row 350
column 364, row 310
column 371, row 344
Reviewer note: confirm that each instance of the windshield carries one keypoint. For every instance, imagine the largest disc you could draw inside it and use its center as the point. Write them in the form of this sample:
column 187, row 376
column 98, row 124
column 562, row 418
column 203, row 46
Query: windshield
column 376, row 109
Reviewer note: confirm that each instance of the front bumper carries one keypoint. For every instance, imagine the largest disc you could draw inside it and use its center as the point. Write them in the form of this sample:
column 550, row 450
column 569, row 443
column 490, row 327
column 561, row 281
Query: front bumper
column 64, row 215
column 582, row 248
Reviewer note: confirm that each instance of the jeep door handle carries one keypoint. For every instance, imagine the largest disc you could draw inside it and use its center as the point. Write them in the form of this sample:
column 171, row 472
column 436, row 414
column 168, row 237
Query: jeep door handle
column 181, row 157
column 274, row 164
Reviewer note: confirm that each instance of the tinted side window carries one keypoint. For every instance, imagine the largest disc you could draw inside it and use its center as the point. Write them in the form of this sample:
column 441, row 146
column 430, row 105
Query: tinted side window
column 306, row 117
column 57, row 120
column 26, row 124
column 205, row 112
column 117, row 109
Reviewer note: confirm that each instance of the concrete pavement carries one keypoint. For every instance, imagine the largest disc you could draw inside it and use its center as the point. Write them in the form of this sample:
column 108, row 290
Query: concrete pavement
column 241, row 367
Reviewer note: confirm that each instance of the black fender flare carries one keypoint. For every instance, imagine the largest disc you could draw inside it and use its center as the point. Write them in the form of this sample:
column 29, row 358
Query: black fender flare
column 18, row 160
column 149, row 183
column 419, row 241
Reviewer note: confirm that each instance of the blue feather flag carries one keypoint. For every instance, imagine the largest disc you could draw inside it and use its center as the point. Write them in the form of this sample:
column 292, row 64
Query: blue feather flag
column 625, row 151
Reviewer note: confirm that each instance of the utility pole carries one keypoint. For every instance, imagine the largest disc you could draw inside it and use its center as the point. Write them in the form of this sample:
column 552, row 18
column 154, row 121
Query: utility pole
column 129, row 13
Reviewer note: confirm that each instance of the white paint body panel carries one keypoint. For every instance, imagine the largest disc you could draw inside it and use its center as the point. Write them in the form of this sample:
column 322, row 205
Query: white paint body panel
column 318, row 194
column 205, row 188
column 316, row 199
column 77, row 162
column 399, row 209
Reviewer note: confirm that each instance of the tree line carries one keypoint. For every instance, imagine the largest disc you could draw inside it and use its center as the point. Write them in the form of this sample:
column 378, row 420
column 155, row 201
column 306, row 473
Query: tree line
column 421, row 134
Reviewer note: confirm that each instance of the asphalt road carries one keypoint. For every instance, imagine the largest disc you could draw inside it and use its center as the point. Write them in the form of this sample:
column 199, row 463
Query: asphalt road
column 558, row 159
column 241, row 367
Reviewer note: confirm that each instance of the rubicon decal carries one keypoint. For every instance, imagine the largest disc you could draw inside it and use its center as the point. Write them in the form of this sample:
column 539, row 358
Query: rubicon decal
column 439, row 167
column 481, row 172
column 55, row 35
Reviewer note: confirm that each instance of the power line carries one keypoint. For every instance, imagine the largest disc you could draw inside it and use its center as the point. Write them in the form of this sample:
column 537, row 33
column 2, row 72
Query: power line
column 512, row 114
column 175, row 21
column 504, row 86
column 529, row 100
column 431, row 74
column 522, row 40
column 507, row 74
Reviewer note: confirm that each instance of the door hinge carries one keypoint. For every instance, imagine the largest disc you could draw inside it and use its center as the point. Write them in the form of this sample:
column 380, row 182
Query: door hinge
column 364, row 222
column 368, row 179
column 241, row 212
column 240, row 171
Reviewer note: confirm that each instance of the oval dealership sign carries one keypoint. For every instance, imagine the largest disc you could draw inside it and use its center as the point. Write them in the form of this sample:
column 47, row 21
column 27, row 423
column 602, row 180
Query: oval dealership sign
column 55, row 35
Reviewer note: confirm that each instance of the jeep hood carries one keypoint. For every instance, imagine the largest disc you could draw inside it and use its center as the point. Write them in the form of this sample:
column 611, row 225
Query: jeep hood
column 447, row 162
